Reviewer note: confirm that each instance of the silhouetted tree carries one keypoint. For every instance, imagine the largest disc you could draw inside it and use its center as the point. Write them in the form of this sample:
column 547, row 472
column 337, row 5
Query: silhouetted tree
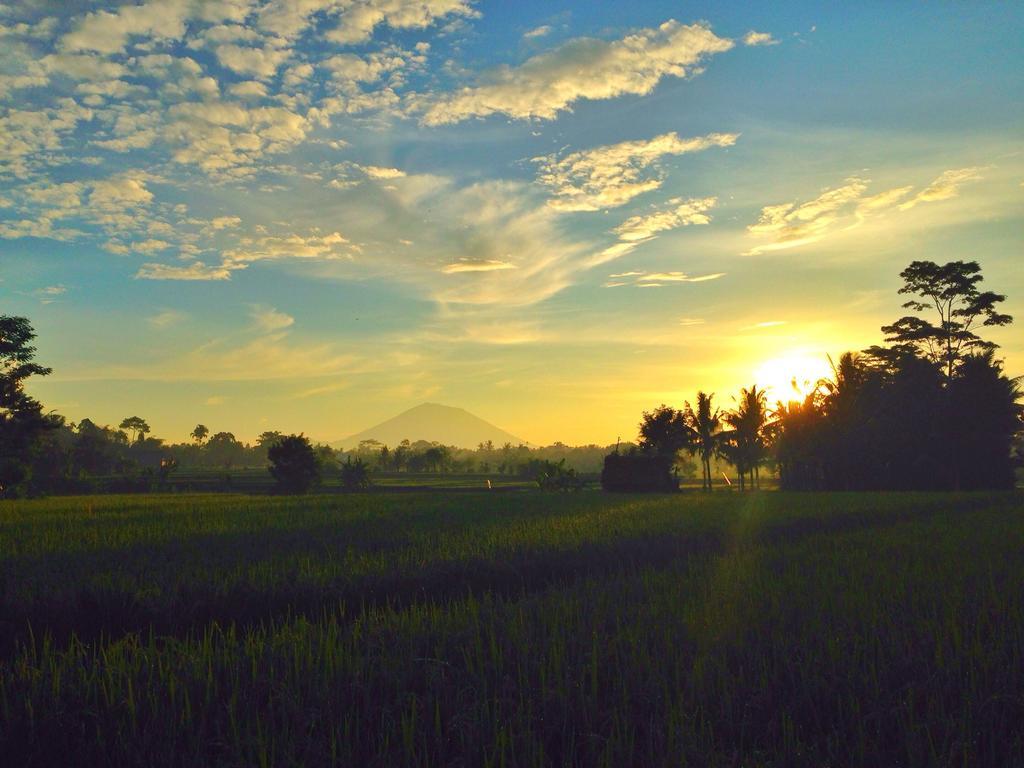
column 986, row 417
column 664, row 432
column 746, row 446
column 705, row 424
column 267, row 439
column 136, row 425
column 225, row 450
column 22, row 422
column 200, row 433
column 950, row 291
column 294, row 464
column 355, row 474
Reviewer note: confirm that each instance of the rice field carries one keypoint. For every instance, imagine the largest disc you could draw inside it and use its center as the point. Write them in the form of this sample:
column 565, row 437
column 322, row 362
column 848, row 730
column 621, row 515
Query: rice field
column 513, row 629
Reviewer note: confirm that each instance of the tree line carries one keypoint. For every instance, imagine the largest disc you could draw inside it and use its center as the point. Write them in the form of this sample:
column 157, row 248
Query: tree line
column 930, row 409
column 44, row 453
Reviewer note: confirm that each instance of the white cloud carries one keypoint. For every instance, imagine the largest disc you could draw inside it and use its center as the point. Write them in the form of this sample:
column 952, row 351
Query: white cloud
column 944, row 187
column 478, row 265
column 26, row 136
column 269, row 320
column 609, row 176
column 359, row 18
column 261, row 62
column 759, row 38
column 657, row 279
column 109, row 32
column 679, row 214
column 197, row 270
column 150, row 246
column 790, row 225
column 50, row 293
column 166, row 318
column 583, row 68
column 541, row 31
column 379, row 172
column 840, row 209
column 249, row 89
column 331, row 246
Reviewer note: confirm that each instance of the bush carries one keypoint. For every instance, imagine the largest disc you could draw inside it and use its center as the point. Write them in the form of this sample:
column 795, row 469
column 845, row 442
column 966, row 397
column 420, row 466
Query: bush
column 294, row 464
column 355, row 475
column 638, row 472
column 556, row 477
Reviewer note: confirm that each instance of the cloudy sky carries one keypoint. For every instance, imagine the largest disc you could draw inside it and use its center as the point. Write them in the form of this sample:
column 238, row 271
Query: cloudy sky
column 307, row 215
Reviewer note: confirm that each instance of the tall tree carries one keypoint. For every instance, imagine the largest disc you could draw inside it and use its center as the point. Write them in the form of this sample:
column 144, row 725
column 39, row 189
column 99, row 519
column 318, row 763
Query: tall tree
column 705, row 424
column 21, row 417
column 747, row 443
column 664, row 432
column 950, row 292
column 136, row 425
column 200, row 433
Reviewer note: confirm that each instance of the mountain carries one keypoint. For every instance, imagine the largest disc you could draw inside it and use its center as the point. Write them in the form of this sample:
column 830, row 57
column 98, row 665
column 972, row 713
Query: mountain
column 436, row 423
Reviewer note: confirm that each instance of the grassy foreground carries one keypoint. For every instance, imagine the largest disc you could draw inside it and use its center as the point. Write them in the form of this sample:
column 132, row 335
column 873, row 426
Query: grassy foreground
column 513, row 629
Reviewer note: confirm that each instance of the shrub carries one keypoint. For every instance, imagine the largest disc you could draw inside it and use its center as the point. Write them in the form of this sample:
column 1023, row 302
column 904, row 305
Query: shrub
column 355, row 475
column 294, row 464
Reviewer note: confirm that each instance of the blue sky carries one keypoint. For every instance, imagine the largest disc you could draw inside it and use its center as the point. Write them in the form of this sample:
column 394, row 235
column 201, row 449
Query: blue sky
column 307, row 215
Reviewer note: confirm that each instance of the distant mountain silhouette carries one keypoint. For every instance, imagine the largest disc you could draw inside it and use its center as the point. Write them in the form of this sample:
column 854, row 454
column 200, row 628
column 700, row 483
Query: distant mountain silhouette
column 436, row 423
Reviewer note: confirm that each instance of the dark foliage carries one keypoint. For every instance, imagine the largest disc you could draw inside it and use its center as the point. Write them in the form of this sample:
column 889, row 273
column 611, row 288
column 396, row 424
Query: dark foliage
column 637, row 471
column 950, row 292
column 664, row 432
column 355, row 475
column 898, row 424
column 293, row 464
column 22, row 421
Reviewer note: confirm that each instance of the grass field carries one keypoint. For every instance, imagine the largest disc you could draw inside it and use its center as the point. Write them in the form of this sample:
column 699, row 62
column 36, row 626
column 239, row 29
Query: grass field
column 513, row 629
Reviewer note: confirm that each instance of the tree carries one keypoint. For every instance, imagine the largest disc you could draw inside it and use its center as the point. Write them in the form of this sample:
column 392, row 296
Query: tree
column 294, row 464
column 747, row 444
column 951, row 291
column 986, row 417
column 22, row 422
column 224, row 449
column 664, row 432
column 267, row 439
column 136, row 425
column 200, row 433
column 704, row 423
column 355, row 475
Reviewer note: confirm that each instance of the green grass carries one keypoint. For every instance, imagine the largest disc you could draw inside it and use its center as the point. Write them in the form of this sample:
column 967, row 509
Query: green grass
column 513, row 629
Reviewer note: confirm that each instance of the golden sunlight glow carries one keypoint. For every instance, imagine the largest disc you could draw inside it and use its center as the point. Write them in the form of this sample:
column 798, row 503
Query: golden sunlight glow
column 792, row 376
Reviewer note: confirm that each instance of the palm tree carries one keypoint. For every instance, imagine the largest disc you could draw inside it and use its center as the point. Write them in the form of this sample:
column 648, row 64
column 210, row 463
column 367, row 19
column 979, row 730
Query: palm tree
column 750, row 435
column 705, row 424
column 200, row 433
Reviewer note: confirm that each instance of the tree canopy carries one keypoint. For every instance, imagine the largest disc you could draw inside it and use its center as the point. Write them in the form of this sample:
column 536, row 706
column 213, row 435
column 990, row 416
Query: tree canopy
column 950, row 292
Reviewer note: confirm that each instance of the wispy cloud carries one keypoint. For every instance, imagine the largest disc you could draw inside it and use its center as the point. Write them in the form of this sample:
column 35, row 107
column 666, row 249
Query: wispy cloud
column 657, row 279
column 679, row 213
column 166, row 318
column 839, row 209
column 480, row 265
column 945, row 187
column 611, row 175
column 583, row 68
column 269, row 320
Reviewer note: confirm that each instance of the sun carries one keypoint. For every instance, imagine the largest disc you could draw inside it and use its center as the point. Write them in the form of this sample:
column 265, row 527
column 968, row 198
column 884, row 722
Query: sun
column 792, row 376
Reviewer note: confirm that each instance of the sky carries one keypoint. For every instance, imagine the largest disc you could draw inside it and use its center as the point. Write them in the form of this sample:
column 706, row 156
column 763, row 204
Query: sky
column 309, row 215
